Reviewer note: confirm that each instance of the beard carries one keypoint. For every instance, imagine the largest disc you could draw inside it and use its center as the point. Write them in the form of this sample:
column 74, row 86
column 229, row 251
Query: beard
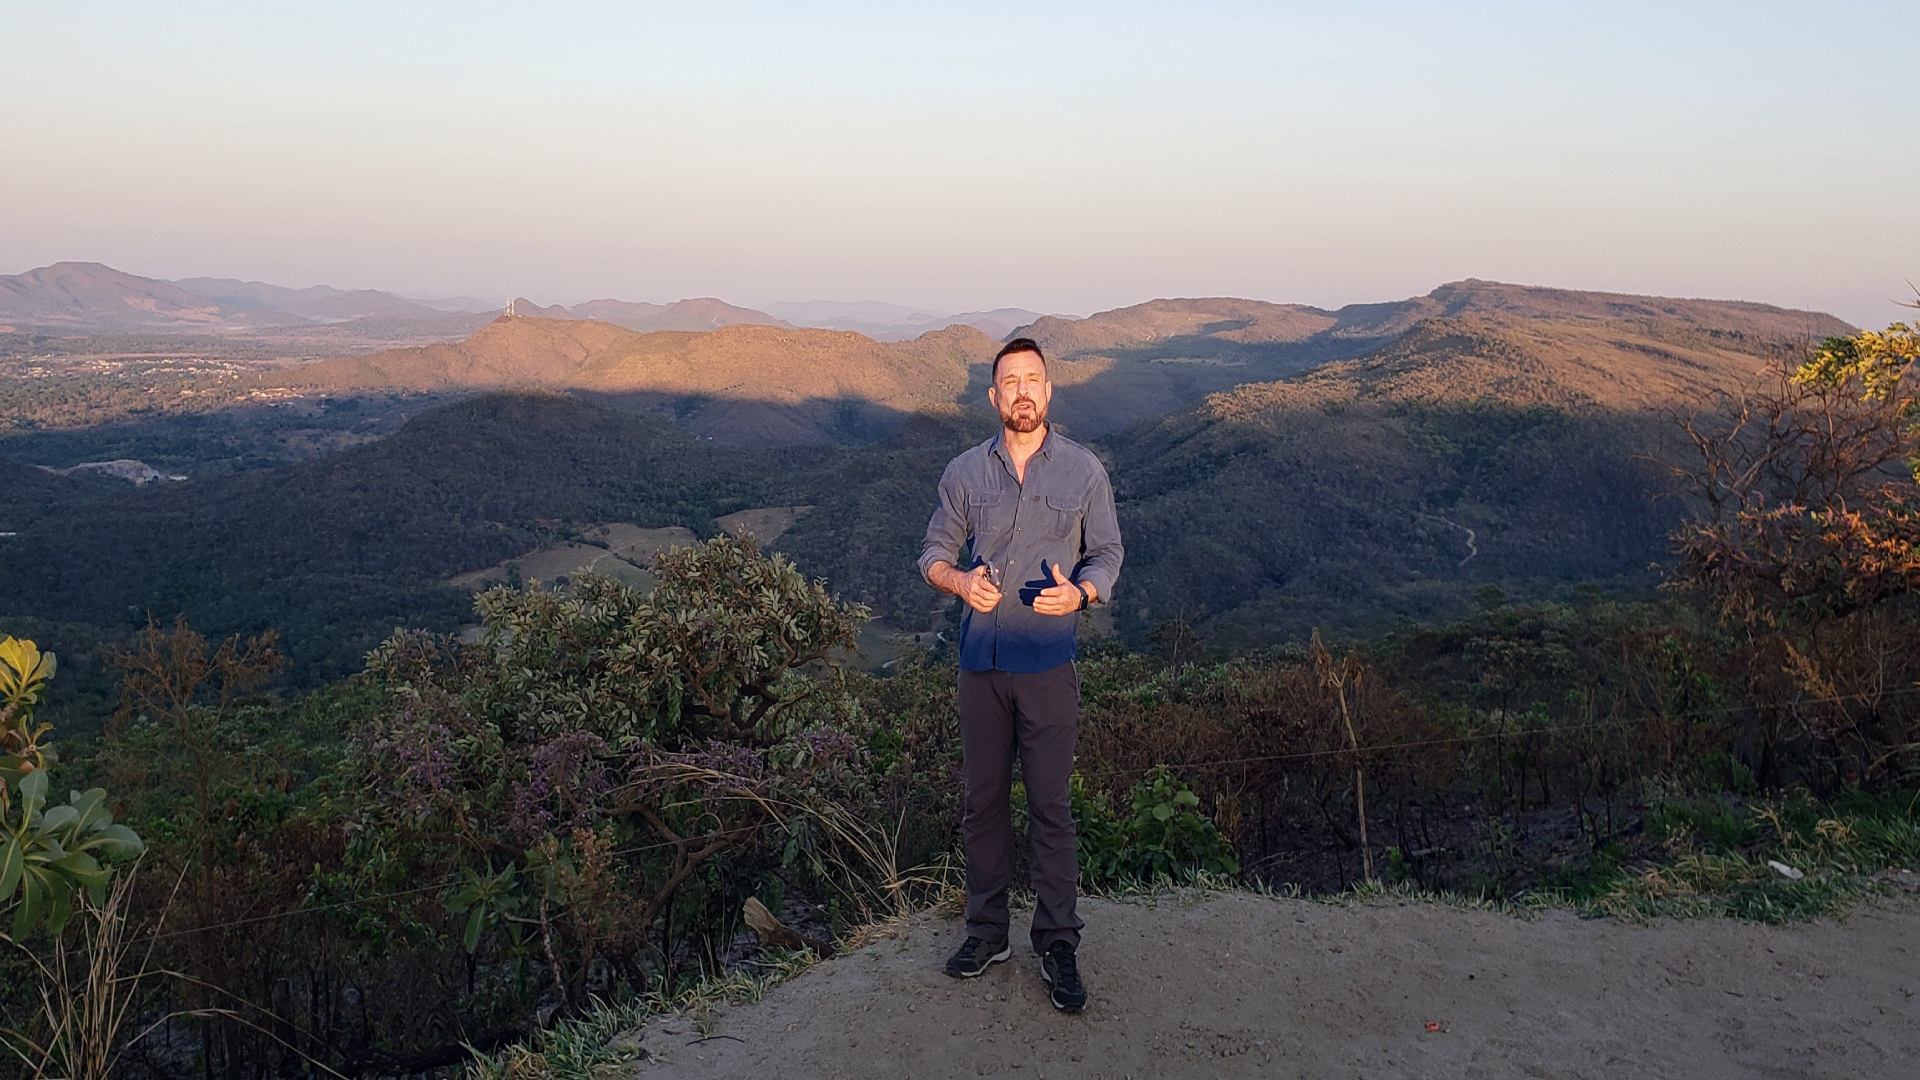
column 1023, row 421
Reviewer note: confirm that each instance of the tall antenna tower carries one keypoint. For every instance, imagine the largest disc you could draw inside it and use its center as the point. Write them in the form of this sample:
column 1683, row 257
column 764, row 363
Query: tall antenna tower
column 510, row 313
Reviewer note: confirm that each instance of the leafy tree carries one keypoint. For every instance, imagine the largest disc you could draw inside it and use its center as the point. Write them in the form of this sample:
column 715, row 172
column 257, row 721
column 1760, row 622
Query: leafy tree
column 173, row 679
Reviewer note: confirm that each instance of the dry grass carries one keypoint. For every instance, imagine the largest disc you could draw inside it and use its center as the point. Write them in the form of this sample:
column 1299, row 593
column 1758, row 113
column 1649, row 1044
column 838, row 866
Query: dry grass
column 608, row 1037
column 87, row 994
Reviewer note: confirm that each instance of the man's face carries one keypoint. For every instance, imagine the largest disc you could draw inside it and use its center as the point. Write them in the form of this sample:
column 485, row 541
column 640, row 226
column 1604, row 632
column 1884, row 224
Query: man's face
column 1021, row 392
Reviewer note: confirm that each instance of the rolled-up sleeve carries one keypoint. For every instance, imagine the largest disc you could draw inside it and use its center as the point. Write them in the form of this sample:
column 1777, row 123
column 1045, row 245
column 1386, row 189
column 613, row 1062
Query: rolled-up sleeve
column 947, row 531
column 1100, row 566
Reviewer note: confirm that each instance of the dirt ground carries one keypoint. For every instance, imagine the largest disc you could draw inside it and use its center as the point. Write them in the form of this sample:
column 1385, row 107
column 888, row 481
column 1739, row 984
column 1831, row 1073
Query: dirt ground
column 1246, row 985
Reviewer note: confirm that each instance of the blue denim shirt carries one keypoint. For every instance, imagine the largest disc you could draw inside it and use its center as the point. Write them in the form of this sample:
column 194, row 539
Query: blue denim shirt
column 1062, row 515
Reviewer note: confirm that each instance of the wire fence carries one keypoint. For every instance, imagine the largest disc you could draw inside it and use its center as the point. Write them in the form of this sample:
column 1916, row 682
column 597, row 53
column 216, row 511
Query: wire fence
column 398, row 894
column 1515, row 733
column 1303, row 755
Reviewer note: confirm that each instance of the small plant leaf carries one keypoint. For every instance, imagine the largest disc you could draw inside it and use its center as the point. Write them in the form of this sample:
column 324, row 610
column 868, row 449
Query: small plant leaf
column 11, row 863
column 475, row 922
column 33, row 794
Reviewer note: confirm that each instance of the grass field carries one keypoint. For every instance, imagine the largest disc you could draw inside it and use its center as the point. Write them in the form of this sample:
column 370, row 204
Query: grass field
column 617, row 550
column 765, row 523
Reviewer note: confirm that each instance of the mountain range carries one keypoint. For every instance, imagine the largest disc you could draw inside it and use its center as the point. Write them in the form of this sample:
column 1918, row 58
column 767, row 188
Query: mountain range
column 85, row 296
column 894, row 322
column 700, row 313
column 1278, row 467
column 869, row 318
column 761, row 385
column 321, row 303
column 91, row 297
column 88, row 297
column 744, row 384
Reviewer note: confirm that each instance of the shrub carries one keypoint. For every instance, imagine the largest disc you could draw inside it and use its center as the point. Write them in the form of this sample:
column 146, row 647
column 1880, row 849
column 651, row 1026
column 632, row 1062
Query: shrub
column 1809, row 541
column 46, row 853
column 611, row 768
column 1166, row 838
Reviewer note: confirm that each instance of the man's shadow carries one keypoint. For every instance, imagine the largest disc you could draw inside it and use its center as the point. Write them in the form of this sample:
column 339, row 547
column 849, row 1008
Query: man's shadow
column 1031, row 590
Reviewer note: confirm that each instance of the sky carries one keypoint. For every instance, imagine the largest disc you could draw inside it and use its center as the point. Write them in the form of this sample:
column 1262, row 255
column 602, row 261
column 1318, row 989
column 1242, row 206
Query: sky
column 1060, row 157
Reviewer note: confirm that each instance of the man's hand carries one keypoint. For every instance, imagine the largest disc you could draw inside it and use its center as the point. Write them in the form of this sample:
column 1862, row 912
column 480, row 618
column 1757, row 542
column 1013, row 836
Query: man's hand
column 975, row 586
column 1060, row 598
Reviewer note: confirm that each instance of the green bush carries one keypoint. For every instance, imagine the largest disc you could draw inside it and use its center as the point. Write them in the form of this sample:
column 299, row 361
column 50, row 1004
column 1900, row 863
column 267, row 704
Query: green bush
column 611, row 771
column 1166, row 837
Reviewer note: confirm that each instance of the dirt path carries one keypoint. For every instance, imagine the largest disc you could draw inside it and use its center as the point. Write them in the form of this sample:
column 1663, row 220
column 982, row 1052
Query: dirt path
column 1243, row 985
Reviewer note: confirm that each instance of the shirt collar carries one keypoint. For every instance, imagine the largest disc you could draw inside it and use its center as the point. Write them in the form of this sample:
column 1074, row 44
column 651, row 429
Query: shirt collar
column 1000, row 445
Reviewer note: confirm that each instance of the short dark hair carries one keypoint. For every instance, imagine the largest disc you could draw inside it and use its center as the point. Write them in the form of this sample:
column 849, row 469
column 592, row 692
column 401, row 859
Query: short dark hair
column 1017, row 345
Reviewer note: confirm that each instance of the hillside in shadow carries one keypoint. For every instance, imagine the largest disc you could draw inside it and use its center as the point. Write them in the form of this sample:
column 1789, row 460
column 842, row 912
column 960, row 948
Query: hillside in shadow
column 1501, row 437
column 338, row 550
column 761, row 385
column 1492, row 446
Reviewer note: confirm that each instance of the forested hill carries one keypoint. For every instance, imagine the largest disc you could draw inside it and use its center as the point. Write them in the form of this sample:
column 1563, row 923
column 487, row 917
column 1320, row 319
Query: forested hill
column 1504, row 445
column 741, row 384
column 1231, row 330
column 1501, row 436
column 339, row 550
column 1510, row 446
column 1134, row 364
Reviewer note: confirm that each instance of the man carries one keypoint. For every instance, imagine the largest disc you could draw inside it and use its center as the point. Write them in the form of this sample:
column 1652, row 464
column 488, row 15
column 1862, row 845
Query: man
column 1036, row 512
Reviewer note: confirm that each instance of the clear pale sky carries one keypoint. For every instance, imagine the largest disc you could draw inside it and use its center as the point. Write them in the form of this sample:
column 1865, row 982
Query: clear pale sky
column 1062, row 157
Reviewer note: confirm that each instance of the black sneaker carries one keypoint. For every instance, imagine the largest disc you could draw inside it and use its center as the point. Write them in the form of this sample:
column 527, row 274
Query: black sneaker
column 1062, row 972
column 974, row 957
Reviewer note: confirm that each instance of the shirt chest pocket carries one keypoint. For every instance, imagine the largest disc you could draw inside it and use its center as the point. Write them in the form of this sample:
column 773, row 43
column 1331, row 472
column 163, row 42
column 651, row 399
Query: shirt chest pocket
column 1064, row 513
column 989, row 513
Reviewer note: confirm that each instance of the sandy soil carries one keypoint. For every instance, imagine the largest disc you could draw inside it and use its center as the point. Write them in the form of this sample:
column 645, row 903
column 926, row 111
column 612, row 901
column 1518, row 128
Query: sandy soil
column 1244, row 985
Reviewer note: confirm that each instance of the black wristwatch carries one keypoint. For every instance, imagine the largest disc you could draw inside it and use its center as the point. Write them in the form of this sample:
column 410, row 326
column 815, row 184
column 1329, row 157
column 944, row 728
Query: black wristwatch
column 1084, row 598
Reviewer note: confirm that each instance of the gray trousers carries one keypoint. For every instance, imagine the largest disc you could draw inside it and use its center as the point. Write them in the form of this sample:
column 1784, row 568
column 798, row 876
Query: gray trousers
column 1036, row 716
